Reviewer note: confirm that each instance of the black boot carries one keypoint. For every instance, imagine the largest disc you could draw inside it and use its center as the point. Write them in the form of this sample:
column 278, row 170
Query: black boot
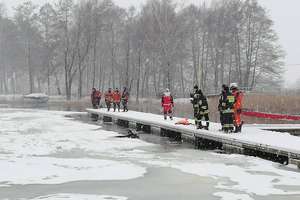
column 240, row 128
column 199, row 126
column 236, row 129
column 207, row 126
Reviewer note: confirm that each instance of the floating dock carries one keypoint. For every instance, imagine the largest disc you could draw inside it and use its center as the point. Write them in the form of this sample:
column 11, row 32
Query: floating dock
column 255, row 140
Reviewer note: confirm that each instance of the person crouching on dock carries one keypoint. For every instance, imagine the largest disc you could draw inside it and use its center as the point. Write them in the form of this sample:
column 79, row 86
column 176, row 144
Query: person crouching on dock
column 167, row 103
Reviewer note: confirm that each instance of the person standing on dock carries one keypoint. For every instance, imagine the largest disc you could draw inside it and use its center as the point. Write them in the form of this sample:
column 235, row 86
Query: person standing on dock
column 125, row 98
column 222, row 103
column 227, row 108
column 200, row 106
column 167, row 103
column 108, row 98
column 98, row 97
column 117, row 99
column 95, row 98
column 238, row 95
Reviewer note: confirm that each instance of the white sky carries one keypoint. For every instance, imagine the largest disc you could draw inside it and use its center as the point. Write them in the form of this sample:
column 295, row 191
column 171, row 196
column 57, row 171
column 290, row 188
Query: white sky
column 285, row 14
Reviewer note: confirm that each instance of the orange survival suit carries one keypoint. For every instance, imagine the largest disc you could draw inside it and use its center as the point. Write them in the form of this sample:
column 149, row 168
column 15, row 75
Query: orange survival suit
column 238, row 109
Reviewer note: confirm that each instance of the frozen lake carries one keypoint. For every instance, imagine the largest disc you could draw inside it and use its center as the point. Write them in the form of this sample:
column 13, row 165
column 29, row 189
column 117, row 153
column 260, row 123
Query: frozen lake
column 53, row 155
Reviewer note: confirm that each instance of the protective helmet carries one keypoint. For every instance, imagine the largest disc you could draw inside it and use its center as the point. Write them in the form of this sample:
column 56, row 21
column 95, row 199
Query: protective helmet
column 233, row 86
column 196, row 87
column 167, row 90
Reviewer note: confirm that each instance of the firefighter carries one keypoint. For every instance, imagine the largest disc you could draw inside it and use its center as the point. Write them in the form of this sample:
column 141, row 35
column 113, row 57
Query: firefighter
column 227, row 108
column 117, row 99
column 167, row 103
column 98, row 97
column 125, row 98
column 238, row 123
column 221, row 106
column 108, row 98
column 200, row 106
column 94, row 98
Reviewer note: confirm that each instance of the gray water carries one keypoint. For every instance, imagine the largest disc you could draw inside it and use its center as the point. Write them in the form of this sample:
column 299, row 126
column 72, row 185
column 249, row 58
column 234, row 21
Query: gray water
column 167, row 181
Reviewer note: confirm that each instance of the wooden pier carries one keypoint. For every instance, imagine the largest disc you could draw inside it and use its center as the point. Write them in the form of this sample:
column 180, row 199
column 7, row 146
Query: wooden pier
column 254, row 141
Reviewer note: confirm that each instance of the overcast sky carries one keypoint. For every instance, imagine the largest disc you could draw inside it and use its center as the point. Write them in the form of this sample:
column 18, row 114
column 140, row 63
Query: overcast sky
column 285, row 14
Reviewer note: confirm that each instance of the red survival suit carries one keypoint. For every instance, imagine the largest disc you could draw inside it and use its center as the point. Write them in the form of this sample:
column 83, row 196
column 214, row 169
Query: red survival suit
column 108, row 99
column 116, row 100
column 167, row 103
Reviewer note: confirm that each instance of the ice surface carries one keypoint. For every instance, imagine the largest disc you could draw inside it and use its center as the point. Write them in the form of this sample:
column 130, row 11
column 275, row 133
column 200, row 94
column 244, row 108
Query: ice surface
column 236, row 173
column 78, row 197
column 44, row 133
column 43, row 170
column 232, row 196
column 34, row 147
column 29, row 140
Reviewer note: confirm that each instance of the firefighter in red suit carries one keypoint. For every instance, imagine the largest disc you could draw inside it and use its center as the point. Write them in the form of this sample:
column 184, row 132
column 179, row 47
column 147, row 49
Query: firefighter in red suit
column 117, row 99
column 238, row 123
column 167, row 103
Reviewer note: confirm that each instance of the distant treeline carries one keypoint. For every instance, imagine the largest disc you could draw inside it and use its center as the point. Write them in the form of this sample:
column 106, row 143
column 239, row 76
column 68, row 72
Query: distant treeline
column 67, row 48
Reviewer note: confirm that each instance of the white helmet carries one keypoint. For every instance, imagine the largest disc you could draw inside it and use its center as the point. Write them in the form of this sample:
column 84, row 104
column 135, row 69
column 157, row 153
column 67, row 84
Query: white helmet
column 167, row 90
column 233, row 85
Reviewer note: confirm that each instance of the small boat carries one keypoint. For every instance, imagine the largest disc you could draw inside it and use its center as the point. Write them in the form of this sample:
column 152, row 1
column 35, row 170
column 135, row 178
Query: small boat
column 36, row 98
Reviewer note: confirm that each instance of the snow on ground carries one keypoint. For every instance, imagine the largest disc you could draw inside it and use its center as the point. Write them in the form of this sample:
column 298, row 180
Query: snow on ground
column 250, row 135
column 78, row 196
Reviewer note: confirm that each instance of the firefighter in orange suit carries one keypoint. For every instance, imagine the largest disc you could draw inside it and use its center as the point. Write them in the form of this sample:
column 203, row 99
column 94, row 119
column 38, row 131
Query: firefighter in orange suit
column 108, row 98
column 238, row 123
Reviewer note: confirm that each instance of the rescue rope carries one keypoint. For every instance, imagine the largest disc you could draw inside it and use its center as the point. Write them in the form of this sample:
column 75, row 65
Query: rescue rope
column 270, row 116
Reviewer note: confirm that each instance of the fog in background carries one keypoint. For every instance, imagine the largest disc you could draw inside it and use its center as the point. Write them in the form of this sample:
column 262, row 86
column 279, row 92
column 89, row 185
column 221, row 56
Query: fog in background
column 284, row 13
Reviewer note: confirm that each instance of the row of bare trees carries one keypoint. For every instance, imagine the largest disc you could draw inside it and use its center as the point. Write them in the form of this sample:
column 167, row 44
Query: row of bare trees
column 66, row 48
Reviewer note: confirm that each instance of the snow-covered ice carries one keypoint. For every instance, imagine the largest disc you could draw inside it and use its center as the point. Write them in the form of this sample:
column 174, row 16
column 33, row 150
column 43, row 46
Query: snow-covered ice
column 42, row 133
column 78, row 196
column 30, row 138
column 45, row 170
column 37, row 147
column 232, row 196
column 235, row 172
